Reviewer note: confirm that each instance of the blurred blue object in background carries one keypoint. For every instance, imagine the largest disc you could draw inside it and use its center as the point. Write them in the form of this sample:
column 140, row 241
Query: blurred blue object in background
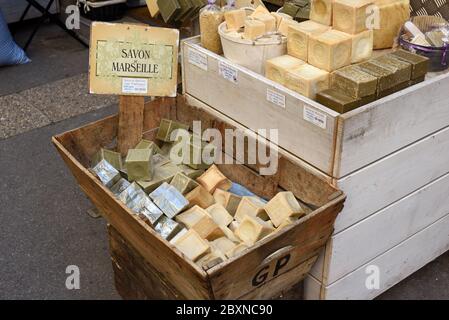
column 10, row 52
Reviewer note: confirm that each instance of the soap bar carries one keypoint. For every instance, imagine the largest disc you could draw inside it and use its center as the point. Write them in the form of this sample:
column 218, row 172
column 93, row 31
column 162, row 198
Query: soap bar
column 164, row 173
column 166, row 128
column 228, row 200
column 303, row 13
column 269, row 21
column 321, row 11
column 120, row 186
column 420, row 64
column 362, row 46
column 145, row 209
column 386, row 77
column 183, row 183
column 223, row 245
column 139, row 164
column 284, row 205
column 418, row 80
column 213, row 179
column 107, row 174
column 235, row 19
column 250, row 206
column 169, row 200
column 236, row 250
column 279, row 16
column 199, row 196
column 252, row 229
column 307, row 80
column 354, row 82
column 284, row 25
column 186, row 10
column 338, row 101
column 253, row 29
column 147, row 144
column 168, row 9
column 351, row 16
column 192, row 245
column 395, row 89
column 276, row 69
column 403, row 70
column 208, row 229
column 298, row 37
column 192, row 216
column 290, row 9
column 330, row 50
column 286, row 223
column 233, row 226
column 260, row 10
column 159, row 160
column 113, row 158
column 219, row 214
column 167, row 228
column 393, row 14
column 128, row 195
column 229, row 234
column 153, row 7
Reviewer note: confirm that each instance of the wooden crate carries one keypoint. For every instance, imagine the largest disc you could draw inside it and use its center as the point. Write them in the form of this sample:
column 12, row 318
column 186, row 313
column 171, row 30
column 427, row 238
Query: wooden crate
column 299, row 244
column 337, row 144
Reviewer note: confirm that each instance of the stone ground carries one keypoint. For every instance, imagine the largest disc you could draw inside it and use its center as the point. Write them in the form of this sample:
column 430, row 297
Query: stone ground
column 43, row 222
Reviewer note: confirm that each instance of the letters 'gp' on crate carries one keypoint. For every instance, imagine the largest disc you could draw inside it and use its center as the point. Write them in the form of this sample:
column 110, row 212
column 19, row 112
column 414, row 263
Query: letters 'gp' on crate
column 266, row 269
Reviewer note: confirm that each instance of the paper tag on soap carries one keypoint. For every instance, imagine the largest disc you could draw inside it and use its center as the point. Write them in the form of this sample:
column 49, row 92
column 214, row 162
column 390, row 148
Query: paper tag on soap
column 317, row 118
column 228, row 72
column 276, row 98
column 197, row 58
column 134, row 85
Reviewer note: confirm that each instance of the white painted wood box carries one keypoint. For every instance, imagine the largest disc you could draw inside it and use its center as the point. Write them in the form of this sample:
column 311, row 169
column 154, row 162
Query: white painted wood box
column 390, row 157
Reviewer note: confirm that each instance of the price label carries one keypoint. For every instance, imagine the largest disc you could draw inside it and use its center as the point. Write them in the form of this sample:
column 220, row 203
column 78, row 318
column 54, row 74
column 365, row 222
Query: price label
column 228, row 72
column 313, row 116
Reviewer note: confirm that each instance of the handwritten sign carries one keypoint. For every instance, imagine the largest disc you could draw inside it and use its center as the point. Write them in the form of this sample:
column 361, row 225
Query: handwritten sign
column 130, row 59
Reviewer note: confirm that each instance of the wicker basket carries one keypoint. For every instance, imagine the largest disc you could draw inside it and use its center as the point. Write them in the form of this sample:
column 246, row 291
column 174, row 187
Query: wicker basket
column 430, row 8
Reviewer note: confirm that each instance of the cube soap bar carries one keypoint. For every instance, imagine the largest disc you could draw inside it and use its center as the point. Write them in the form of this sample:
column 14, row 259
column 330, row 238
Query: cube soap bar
column 169, row 200
column 253, row 29
column 252, row 229
column 153, row 7
column 279, row 16
column 298, row 37
column 277, row 68
column 283, row 206
column 229, row 234
column 180, row 233
column 269, row 21
column 161, row 174
column 183, row 183
column 284, row 26
column 128, row 195
column 250, row 206
column 113, row 158
column 330, row 50
column 351, row 16
column 192, row 216
column 201, row 197
column 167, row 228
column 168, row 9
column 420, row 64
column 213, row 179
column 228, row 200
column 393, row 14
column 236, row 250
column 223, row 244
column 362, row 46
column 307, row 80
column 190, row 172
column 386, row 77
column 395, row 89
column 192, row 245
column 337, row 100
column 166, row 129
column 139, row 164
column 354, row 82
column 147, row 144
column 219, row 214
column 403, row 70
column 107, row 174
column 321, row 11
column 120, row 186
column 149, row 212
column 208, row 229
column 260, row 10
column 235, row 19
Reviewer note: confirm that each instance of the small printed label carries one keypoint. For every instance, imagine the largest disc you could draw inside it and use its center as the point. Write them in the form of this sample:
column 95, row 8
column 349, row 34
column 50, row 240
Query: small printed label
column 276, row 98
column 228, row 72
column 317, row 118
column 197, row 59
column 134, row 85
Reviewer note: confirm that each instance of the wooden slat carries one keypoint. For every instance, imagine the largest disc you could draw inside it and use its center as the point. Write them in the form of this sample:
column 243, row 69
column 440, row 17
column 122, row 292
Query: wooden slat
column 130, row 127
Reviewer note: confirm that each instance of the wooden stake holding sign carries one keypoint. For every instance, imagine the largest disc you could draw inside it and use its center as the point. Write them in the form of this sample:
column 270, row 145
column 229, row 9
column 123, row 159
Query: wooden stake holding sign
column 133, row 61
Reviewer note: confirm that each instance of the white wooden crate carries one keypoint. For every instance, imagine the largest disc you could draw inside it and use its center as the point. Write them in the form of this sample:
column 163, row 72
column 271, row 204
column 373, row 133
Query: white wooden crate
column 336, row 144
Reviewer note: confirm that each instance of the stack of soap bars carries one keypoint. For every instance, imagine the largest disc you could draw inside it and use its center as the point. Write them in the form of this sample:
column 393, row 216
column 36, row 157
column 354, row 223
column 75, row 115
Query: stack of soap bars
column 175, row 10
column 297, row 9
column 192, row 204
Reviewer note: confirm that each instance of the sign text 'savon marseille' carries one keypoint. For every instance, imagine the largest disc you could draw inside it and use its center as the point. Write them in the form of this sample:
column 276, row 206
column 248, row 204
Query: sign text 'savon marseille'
column 128, row 59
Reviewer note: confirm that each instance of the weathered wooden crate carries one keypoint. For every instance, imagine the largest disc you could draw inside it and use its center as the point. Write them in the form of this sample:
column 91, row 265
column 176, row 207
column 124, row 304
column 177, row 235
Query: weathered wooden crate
column 254, row 273
column 337, row 144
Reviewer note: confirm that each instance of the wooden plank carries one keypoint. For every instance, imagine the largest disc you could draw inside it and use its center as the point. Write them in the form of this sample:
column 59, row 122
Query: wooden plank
column 394, row 265
column 392, row 178
column 130, row 127
column 312, row 288
column 380, row 128
column 246, row 102
column 396, row 223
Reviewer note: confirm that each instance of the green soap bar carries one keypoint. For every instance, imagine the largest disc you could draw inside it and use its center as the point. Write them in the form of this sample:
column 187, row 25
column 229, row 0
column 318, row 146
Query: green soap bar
column 386, row 78
column 195, row 158
column 183, row 183
column 166, row 128
column 190, row 172
column 290, row 9
column 395, row 89
column 114, row 158
column 186, row 8
column 420, row 64
column 418, row 80
column 403, row 70
column 354, row 82
column 164, row 173
column 147, row 144
column 139, row 164
column 168, row 9
column 337, row 100
column 367, row 99
column 303, row 14
column 159, row 160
